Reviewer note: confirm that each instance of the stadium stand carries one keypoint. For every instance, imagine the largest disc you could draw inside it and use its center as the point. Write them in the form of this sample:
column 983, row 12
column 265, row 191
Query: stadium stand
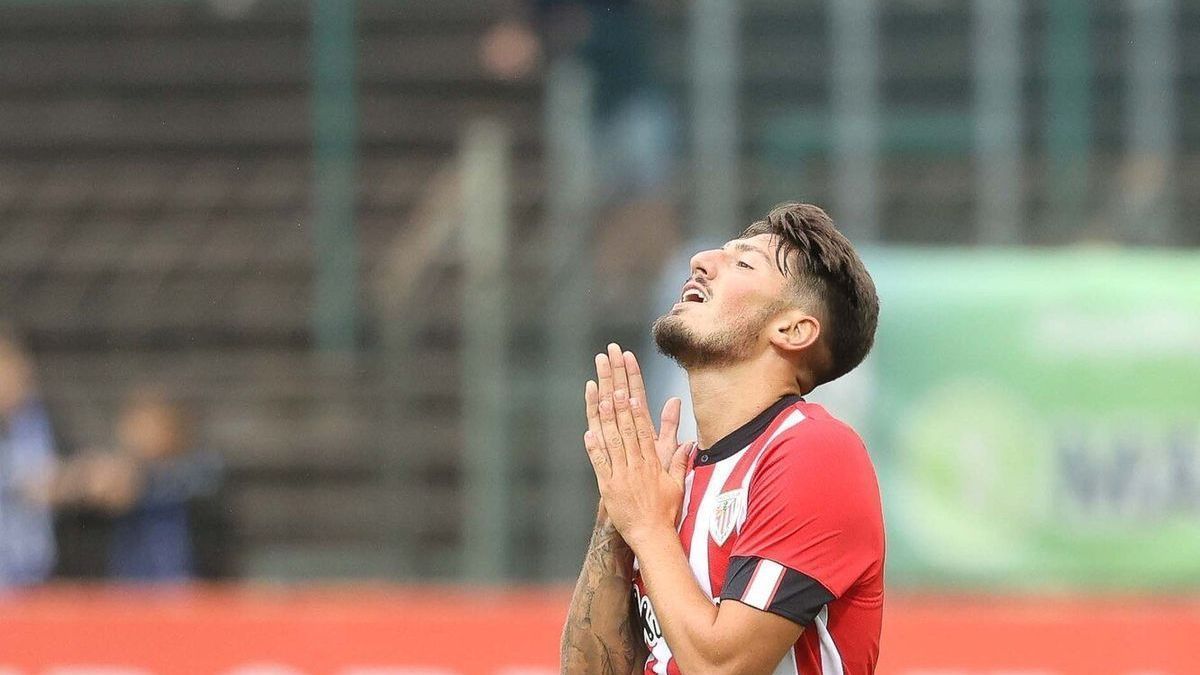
column 154, row 188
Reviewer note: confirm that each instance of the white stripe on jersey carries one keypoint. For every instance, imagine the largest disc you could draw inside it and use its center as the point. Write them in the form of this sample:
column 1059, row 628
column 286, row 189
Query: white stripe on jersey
column 792, row 420
column 662, row 657
column 698, row 554
column 831, row 658
column 761, row 589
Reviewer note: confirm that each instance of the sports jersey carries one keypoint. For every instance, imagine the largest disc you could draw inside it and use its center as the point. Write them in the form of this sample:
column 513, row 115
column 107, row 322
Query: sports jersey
column 784, row 515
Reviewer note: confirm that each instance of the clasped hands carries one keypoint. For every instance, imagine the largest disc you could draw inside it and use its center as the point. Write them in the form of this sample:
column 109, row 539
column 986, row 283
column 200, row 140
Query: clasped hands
column 640, row 471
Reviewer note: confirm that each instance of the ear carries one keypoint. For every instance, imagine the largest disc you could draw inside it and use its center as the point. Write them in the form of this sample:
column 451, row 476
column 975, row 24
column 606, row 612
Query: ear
column 795, row 331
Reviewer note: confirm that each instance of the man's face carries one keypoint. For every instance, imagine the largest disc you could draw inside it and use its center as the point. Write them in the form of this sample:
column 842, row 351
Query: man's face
column 723, row 309
column 150, row 430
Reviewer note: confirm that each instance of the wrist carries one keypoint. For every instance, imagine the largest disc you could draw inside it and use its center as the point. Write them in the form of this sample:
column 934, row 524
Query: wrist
column 643, row 535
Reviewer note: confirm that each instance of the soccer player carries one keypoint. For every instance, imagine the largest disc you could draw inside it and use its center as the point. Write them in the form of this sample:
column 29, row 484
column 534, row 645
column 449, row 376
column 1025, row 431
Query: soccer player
column 759, row 548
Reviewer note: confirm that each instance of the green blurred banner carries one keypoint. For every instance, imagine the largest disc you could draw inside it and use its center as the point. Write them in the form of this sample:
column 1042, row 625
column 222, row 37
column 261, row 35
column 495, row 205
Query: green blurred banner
column 1036, row 417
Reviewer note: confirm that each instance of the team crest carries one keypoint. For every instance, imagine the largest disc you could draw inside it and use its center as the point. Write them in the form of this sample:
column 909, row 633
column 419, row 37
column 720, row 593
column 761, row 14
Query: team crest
column 728, row 512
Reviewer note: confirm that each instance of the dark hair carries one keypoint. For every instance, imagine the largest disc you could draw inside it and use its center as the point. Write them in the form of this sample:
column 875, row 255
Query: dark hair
column 824, row 266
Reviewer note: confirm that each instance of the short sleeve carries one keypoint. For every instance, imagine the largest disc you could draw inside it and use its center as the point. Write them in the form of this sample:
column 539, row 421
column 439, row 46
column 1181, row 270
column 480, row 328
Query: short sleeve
column 813, row 526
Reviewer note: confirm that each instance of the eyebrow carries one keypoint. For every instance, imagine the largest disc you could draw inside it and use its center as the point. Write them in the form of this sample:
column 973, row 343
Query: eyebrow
column 747, row 248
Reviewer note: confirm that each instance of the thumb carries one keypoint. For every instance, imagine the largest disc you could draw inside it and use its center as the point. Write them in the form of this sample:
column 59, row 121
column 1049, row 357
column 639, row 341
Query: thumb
column 679, row 462
column 669, row 420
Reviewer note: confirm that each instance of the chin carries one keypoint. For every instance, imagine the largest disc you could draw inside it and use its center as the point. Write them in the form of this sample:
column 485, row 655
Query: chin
column 680, row 342
column 671, row 334
column 707, row 346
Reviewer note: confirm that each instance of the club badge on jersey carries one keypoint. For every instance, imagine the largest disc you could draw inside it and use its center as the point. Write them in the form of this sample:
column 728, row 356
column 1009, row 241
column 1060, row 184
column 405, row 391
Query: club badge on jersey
column 728, row 512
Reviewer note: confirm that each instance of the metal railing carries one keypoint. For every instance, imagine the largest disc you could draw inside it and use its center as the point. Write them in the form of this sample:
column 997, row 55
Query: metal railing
column 467, row 204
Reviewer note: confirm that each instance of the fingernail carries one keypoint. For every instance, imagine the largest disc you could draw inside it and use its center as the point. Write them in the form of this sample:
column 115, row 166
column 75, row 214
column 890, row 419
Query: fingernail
column 589, row 436
column 619, row 394
column 635, row 403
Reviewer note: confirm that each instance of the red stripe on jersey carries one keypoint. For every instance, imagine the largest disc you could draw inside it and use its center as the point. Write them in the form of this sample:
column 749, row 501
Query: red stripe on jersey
column 701, row 475
column 687, row 489
column 673, row 667
column 757, row 448
column 808, row 658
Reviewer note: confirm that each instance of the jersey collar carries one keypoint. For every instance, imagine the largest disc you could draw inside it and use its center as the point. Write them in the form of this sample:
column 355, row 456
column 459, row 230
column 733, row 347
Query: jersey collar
column 744, row 435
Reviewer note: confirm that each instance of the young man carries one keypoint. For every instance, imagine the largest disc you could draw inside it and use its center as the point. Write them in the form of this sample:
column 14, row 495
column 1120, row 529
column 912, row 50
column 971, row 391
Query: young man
column 759, row 548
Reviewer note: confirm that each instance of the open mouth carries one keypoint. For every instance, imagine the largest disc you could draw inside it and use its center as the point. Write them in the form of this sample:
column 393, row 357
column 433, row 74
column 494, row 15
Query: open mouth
column 693, row 293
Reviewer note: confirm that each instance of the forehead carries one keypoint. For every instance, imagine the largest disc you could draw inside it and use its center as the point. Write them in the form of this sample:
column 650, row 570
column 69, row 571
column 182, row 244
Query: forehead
column 764, row 245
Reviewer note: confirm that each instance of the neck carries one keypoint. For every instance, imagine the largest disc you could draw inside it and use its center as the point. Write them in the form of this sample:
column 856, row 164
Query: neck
column 725, row 398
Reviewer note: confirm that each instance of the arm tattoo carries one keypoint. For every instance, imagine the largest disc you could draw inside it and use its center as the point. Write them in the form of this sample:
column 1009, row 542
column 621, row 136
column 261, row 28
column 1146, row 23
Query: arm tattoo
column 601, row 635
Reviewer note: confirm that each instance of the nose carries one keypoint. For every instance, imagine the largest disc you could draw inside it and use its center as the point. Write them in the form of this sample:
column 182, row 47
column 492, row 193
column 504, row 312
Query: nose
column 704, row 263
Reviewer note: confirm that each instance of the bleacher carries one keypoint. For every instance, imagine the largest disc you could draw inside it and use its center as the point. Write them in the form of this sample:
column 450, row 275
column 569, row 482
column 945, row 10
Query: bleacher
column 155, row 187
column 155, row 178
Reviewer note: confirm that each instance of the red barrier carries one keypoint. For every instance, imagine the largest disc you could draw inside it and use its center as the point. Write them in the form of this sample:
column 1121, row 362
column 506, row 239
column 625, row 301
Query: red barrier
column 389, row 631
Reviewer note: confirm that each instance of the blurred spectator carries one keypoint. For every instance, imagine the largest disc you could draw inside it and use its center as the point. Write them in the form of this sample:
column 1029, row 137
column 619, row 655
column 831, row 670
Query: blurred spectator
column 153, row 485
column 634, row 126
column 26, row 458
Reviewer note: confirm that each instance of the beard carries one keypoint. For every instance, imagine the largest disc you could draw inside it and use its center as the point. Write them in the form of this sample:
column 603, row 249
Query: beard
column 724, row 347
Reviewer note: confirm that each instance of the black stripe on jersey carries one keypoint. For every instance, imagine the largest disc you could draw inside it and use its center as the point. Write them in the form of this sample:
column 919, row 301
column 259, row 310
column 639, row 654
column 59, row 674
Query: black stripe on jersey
column 799, row 597
column 745, row 434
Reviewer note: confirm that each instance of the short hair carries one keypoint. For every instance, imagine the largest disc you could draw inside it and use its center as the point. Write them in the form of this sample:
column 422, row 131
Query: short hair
column 823, row 265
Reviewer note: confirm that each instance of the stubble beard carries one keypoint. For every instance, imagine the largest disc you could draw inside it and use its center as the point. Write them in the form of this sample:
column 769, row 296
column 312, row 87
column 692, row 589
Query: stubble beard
column 725, row 347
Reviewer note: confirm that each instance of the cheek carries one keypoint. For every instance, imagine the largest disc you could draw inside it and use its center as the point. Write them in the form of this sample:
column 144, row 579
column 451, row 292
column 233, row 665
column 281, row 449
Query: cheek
column 742, row 310
column 736, row 302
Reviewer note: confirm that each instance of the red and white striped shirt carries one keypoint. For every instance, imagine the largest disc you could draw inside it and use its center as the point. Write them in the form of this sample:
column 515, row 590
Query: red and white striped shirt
column 784, row 515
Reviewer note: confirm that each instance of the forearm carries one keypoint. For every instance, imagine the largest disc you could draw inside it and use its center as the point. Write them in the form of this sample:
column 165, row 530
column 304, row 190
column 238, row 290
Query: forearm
column 685, row 614
column 600, row 636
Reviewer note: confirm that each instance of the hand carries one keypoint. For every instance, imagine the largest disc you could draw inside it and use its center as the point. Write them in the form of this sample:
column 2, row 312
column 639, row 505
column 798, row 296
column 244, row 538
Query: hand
column 617, row 370
column 641, row 491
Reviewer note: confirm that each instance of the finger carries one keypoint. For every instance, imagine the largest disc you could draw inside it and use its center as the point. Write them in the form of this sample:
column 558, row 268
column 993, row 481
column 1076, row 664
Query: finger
column 627, row 427
column 644, row 428
column 604, row 376
column 598, row 457
column 669, row 422
column 611, row 434
column 620, row 378
column 679, row 463
column 591, row 399
column 637, row 387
